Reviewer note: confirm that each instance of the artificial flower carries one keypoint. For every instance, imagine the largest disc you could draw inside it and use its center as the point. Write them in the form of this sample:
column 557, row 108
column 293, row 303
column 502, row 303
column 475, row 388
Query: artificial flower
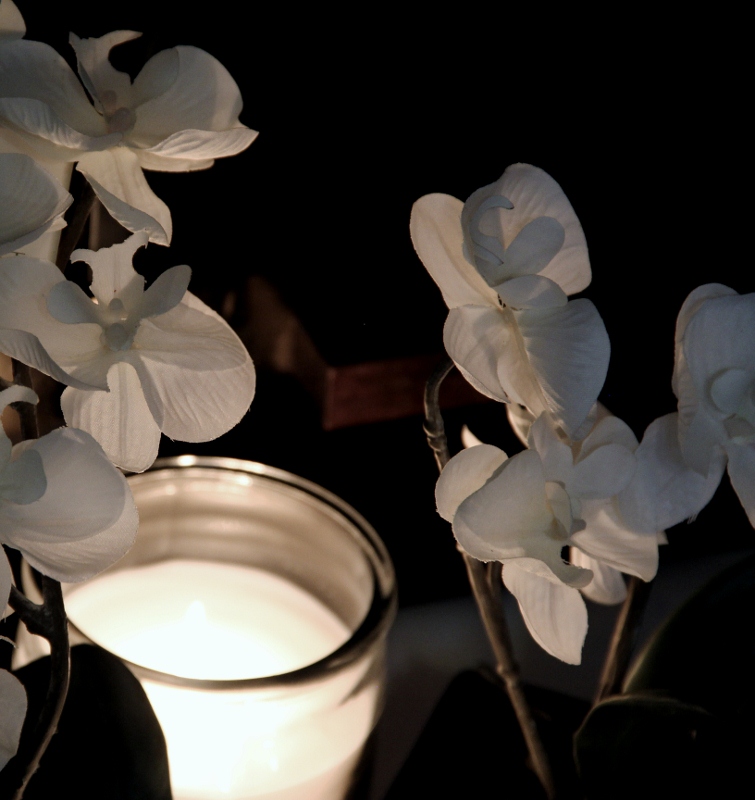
column 503, row 509
column 714, row 428
column 32, row 203
column 523, row 511
column 171, row 363
column 62, row 503
column 506, row 261
column 179, row 114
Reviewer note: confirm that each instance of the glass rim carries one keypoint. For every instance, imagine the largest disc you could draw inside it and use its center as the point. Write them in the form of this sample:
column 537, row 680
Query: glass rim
column 373, row 627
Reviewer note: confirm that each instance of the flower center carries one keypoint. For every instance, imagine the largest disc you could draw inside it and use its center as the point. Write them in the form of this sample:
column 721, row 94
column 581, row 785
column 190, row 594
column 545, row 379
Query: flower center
column 118, row 119
column 119, row 330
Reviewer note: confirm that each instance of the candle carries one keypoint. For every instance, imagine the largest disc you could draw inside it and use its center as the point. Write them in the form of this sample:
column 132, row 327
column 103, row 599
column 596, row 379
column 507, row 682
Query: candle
column 253, row 607
column 225, row 622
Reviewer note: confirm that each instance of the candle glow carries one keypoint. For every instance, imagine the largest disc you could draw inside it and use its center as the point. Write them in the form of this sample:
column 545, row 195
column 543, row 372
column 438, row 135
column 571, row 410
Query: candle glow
column 218, row 621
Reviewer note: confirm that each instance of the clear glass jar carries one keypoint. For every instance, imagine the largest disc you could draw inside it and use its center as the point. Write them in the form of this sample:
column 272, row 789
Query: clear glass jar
column 298, row 735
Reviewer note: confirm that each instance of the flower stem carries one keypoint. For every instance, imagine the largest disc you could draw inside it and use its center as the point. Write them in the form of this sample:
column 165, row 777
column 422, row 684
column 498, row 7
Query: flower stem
column 47, row 620
column 487, row 594
column 76, row 217
column 623, row 638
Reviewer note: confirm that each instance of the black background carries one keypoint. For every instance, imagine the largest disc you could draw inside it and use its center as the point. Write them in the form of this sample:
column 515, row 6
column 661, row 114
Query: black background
column 361, row 111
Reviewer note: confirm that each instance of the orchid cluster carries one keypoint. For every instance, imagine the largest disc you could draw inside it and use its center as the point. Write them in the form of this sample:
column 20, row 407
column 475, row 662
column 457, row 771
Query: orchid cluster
column 136, row 361
column 585, row 502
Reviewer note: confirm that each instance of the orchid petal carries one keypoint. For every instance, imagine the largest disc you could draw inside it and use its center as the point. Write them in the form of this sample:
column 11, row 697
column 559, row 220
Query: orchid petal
column 568, row 350
column 729, row 389
column 555, row 614
column 664, row 490
column 603, row 473
column 157, row 163
column 533, row 194
column 694, row 301
column 190, row 337
column 68, row 303
column 12, row 26
column 119, row 420
column 464, row 474
column 31, row 199
column 13, row 702
column 720, row 334
column 166, row 292
column 85, row 521
column 184, row 89
column 700, row 438
column 203, row 145
column 435, row 228
column 119, row 183
column 608, row 429
column 97, row 73
column 475, row 337
column 24, row 286
column 510, row 517
column 26, row 348
column 521, row 421
column 113, row 274
column 607, row 539
column 556, row 456
column 6, row 581
column 192, row 401
column 23, row 481
column 607, row 586
column 534, row 247
column 33, row 77
column 742, row 476
column 75, row 467
column 531, row 291
column 46, row 133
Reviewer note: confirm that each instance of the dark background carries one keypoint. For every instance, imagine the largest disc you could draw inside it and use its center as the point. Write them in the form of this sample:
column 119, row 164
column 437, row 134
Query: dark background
column 364, row 110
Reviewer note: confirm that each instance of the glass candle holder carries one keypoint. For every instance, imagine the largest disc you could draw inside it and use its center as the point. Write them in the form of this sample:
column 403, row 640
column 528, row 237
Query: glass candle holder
column 254, row 609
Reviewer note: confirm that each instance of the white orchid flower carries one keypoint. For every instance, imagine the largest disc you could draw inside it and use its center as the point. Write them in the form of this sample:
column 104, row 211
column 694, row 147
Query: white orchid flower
column 62, row 503
column 595, row 472
column 505, row 510
column 170, row 362
column 180, row 113
column 505, row 262
column 685, row 454
column 32, row 202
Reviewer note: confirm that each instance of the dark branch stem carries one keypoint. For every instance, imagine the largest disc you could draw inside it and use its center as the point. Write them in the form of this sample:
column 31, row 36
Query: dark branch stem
column 27, row 412
column 623, row 638
column 76, row 217
column 48, row 620
column 485, row 585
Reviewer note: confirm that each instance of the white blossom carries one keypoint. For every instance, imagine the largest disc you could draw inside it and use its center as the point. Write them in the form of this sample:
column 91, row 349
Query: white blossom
column 506, row 261
column 525, row 510
column 683, row 455
column 62, row 503
column 171, row 363
column 179, row 114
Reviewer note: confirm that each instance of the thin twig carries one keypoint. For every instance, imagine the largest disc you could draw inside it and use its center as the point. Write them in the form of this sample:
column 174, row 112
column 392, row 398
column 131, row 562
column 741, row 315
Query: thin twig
column 48, row 620
column 27, row 412
column 76, row 217
column 486, row 590
column 623, row 638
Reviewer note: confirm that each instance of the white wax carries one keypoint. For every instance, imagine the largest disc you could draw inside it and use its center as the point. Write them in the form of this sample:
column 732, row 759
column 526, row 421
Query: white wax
column 222, row 622
column 206, row 620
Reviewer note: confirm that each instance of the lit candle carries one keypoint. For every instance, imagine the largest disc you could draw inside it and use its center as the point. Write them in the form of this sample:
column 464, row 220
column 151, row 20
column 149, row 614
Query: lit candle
column 220, row 621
